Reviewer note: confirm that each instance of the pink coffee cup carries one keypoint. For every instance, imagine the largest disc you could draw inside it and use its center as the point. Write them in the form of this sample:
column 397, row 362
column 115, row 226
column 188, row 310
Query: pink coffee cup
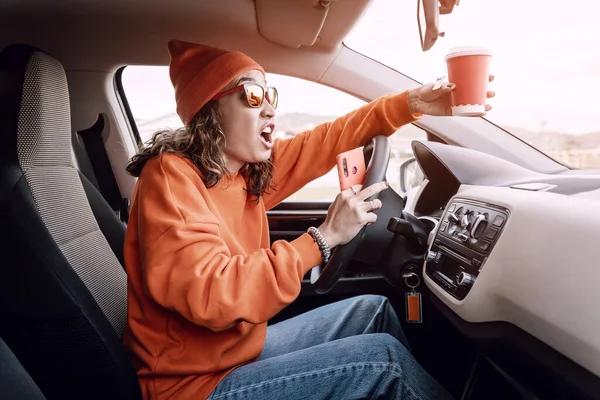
column 469, row 70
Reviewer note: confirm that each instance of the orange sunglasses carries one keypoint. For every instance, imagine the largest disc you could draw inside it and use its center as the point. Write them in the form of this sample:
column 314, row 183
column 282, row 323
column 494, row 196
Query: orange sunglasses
column 255, row 94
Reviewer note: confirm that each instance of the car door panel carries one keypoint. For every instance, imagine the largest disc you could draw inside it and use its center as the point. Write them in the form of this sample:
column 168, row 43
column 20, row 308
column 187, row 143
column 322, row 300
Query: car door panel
column 289, row 220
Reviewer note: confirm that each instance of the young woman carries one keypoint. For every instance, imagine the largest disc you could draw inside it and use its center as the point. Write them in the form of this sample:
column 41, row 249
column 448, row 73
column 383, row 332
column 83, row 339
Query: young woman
column 203, row 277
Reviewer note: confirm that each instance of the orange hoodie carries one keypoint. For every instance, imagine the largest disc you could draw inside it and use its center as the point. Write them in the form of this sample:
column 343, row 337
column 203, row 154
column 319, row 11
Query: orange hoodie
column 203, row 279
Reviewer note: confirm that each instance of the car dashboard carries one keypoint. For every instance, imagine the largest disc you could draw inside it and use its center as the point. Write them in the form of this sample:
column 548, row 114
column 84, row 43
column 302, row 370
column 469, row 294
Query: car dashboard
column 513, row 246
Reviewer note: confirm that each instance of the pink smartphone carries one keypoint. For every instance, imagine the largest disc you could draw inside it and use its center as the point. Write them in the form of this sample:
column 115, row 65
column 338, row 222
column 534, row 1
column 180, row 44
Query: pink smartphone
column 351, row 168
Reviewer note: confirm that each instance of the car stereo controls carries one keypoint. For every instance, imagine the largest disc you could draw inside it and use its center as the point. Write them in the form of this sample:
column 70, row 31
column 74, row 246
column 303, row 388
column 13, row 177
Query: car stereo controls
column 465, row 279
column 474, row 225
column 432, row 256
column 467, row 233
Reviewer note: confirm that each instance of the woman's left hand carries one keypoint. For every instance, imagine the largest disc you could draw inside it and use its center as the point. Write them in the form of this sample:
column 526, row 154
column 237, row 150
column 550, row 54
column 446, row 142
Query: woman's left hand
column 426, row 100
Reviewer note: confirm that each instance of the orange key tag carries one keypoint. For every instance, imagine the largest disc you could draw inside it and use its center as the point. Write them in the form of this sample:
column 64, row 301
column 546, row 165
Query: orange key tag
column 413, row 299
column 413, row 308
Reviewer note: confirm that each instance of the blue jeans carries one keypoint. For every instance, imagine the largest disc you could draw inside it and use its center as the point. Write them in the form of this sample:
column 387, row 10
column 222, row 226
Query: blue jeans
column 352, row 349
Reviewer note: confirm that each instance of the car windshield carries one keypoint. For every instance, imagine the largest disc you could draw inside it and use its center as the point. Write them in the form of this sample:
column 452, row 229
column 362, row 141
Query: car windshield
column 545, row 59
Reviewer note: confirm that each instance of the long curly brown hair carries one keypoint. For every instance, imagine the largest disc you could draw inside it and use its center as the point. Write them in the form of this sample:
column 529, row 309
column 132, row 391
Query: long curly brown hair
column 202, row 141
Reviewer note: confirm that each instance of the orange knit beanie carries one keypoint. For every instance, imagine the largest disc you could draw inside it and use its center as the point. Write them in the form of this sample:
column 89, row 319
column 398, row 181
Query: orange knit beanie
column 199, row 72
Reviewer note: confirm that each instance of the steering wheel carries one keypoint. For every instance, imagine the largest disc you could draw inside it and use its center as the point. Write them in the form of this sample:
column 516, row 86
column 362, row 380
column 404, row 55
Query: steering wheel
column 377, row 157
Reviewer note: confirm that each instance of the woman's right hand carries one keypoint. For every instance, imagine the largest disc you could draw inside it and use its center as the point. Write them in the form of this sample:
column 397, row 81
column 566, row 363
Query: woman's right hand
column 350, row 212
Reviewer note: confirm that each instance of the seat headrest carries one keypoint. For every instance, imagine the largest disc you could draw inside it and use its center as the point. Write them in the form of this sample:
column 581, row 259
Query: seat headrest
column 35, row 117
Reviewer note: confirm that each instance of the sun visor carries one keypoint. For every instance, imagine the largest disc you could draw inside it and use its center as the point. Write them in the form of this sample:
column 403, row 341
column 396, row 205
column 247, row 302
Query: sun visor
column 295, row 23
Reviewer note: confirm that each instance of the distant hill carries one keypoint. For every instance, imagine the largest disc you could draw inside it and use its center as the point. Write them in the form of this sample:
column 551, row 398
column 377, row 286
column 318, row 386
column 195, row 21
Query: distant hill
column 548, row 140
column 292, row 123
column 556, row 140
column 296, row 122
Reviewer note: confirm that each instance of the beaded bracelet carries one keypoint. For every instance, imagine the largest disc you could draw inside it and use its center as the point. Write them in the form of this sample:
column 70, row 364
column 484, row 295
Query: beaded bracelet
column 321, row 242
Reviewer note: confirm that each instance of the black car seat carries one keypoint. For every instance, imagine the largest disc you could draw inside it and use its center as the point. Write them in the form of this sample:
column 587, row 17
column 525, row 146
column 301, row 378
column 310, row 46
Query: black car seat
column 15, row 382
column 63, row 290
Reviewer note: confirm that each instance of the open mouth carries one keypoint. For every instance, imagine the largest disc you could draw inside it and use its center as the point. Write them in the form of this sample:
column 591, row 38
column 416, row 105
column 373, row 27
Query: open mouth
column 267, row 135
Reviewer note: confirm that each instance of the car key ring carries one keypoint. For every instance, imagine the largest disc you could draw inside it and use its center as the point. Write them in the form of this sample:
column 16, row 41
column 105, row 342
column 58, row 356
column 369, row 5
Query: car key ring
column 409, row 275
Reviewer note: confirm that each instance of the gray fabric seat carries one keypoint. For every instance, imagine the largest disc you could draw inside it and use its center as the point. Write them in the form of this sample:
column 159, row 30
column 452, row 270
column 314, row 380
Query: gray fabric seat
column 62, row 288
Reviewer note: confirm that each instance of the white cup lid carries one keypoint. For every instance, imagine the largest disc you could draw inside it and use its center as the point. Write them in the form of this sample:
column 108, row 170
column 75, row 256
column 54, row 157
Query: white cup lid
column 468, row 51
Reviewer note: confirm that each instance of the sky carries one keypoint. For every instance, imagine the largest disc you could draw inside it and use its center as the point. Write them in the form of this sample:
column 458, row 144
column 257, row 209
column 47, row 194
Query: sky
column 546, row 60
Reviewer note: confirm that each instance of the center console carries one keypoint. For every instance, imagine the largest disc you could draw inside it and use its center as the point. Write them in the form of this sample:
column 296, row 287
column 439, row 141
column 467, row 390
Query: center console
column 467, row 234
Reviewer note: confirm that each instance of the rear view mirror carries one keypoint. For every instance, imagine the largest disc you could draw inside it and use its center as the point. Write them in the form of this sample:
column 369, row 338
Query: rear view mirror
column 428, row 20
column 411, row 175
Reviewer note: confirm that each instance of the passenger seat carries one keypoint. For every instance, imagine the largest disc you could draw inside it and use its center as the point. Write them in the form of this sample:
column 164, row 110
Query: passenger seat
column 63, row 291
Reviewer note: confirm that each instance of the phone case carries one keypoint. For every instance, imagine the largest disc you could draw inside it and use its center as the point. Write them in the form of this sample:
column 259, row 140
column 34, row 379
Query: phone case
column 351, row 168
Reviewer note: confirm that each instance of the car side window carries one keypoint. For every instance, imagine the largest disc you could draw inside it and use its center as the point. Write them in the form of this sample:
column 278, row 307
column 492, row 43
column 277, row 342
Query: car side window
column 302, row 106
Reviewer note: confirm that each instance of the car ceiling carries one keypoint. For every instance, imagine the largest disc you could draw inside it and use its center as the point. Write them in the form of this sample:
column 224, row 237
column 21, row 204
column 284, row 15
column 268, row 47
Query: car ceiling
column 106, row 34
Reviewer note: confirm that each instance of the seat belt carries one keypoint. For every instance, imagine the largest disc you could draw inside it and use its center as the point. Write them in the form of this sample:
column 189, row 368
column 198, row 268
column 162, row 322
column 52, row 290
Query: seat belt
column 92, row 139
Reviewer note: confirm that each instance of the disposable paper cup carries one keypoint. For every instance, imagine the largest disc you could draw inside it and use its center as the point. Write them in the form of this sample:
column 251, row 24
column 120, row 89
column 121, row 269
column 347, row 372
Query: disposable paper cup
column 469, row 70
